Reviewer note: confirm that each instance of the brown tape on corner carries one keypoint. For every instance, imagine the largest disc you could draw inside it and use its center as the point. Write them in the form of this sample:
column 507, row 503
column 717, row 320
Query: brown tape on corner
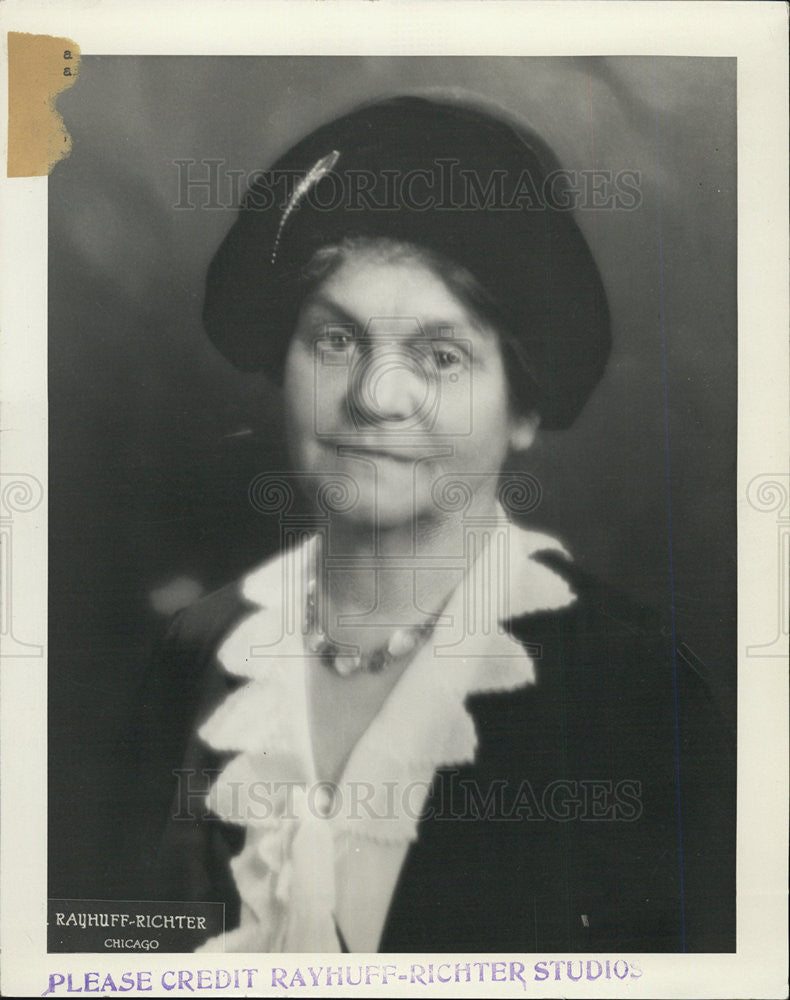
column 40, row 67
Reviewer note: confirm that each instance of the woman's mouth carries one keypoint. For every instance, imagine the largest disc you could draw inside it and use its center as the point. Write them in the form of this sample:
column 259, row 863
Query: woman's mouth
column 404, row 454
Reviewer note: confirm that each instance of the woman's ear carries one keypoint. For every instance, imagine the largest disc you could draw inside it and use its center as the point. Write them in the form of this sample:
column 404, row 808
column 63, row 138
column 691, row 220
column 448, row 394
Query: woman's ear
column 523, row 429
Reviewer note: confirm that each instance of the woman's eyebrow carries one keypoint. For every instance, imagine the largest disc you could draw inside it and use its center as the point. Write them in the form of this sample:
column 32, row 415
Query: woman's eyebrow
column 320, row 301
column 434, row 328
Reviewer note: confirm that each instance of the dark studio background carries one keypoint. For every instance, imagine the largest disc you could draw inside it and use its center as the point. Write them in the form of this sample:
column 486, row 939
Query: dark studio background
column 148, row 474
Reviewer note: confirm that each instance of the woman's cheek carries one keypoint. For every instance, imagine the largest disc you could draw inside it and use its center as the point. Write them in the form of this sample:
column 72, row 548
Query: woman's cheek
column 298, row 386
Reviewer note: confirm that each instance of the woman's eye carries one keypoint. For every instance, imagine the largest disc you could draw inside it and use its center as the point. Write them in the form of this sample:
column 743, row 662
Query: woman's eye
column 339, row 338
column 448, row 357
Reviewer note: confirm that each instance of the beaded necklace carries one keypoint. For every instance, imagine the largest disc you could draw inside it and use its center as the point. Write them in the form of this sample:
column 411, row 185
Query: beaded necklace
column 402, row 643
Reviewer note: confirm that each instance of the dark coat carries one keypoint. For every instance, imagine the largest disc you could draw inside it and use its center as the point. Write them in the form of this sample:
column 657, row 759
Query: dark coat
column 634, row 852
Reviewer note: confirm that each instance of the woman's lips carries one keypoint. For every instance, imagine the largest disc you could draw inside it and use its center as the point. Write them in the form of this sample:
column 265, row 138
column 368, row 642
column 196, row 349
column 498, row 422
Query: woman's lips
column 405, row 455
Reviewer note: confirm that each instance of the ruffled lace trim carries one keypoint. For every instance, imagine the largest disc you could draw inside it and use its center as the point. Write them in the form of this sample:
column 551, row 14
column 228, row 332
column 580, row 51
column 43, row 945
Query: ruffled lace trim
column 285, row 872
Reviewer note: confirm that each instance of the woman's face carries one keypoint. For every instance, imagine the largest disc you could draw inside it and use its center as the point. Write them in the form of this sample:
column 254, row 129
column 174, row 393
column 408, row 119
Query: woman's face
column 391, row 380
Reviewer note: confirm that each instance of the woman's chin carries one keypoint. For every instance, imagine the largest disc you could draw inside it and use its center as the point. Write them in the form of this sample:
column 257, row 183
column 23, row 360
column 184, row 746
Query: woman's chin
column 377, row 511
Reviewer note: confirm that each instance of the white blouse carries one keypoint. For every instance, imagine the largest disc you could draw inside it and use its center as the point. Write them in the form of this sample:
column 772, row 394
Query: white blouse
column 317, row 857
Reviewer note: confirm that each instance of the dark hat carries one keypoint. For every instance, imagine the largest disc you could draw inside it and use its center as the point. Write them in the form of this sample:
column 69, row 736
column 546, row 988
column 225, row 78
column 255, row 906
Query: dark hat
column 471, row 186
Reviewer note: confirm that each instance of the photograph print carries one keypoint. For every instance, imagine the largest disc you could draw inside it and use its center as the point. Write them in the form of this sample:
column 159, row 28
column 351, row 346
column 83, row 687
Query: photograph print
column 392, row 504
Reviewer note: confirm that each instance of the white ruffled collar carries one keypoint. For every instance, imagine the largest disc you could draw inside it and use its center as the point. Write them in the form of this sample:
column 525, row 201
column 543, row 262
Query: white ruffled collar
column 267, row 786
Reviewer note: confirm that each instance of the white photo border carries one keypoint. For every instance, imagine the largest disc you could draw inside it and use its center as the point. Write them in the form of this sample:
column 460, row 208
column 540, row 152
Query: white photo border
column 753, row 33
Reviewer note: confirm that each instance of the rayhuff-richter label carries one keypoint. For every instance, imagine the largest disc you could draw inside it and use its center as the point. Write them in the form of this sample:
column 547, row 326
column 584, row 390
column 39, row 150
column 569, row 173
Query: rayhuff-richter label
column 92, row 925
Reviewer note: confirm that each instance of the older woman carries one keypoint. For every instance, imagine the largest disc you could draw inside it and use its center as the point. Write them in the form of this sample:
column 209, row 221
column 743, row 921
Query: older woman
column 425, row 728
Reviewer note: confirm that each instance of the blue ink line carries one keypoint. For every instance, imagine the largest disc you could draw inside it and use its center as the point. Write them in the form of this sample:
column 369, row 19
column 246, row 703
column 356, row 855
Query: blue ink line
column 669, row 509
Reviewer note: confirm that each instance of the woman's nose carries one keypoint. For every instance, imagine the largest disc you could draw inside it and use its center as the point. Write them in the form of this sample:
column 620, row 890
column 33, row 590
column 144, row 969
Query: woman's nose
column 391, row 383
